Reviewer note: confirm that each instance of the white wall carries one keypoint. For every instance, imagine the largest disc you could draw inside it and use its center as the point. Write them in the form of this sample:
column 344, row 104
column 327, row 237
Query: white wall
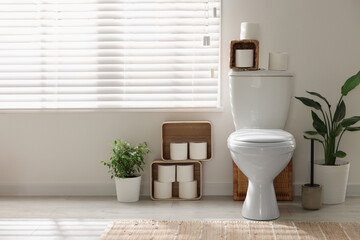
column 59, row 153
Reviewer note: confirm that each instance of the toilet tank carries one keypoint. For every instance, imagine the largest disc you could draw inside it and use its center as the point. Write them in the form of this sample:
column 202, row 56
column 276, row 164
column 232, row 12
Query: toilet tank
column 260, row 99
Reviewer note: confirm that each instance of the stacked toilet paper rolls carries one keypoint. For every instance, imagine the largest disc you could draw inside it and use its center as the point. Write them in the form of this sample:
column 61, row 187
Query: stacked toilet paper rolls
column 187, row 184
column 246, row 57
column 163, row 186
column 178, row 150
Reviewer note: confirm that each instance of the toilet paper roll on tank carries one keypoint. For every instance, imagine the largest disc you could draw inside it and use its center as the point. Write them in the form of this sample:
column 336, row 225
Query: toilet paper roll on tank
column 249, row 31
column 278, row 61
column 244, row 58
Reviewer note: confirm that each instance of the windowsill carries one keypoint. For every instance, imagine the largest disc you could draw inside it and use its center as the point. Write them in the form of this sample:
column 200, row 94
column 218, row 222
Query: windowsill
column 135, row 110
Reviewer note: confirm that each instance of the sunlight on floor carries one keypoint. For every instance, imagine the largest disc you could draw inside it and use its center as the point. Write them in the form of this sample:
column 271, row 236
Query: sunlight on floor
column 52, row 228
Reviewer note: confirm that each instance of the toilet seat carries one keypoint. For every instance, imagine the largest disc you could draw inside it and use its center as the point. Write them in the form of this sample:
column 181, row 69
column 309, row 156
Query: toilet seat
column 260, row 139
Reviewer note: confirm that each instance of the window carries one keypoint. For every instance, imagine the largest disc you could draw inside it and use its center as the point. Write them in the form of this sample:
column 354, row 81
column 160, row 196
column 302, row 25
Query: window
column 69, row 54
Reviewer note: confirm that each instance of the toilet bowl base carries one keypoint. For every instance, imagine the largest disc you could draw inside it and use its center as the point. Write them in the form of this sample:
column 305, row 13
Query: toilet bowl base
column 260, row 203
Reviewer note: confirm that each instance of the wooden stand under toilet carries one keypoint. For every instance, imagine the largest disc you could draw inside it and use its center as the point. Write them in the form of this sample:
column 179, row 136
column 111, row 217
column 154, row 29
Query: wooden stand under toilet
column 283, row 184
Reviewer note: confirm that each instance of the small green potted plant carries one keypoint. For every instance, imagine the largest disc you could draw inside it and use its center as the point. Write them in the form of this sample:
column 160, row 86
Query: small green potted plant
column 329, row 127
column 126, row 165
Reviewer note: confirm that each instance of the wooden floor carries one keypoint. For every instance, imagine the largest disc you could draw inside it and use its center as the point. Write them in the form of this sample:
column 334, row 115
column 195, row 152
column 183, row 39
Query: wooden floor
column 86, row 217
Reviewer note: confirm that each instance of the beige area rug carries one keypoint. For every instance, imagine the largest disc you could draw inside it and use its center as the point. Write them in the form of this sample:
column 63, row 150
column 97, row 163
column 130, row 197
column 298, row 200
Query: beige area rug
column 179, row 230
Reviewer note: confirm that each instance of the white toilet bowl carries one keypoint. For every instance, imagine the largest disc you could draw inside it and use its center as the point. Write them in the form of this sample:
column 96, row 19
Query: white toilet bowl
column 261, row 154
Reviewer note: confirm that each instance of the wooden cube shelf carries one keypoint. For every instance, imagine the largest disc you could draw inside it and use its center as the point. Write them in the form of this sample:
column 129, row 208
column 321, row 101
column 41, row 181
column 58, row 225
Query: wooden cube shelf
column 175, row 185
column 244, row 44
column 282, row 183
column 185, row 131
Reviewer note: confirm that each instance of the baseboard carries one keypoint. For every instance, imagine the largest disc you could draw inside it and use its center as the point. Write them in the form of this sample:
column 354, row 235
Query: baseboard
column 63, row 189
column 108, row 189
column 92, row 189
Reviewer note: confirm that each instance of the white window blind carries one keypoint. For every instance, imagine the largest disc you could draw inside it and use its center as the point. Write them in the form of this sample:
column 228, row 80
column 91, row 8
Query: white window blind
column 66, row 54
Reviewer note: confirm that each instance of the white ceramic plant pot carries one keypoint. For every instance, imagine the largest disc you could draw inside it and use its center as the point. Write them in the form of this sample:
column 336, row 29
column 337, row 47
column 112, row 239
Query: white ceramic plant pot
column 333, row 179
column 128, row 189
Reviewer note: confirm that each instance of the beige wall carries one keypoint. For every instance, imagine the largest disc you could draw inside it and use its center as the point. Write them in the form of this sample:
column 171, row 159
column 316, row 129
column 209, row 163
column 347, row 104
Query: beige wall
column 59, row 153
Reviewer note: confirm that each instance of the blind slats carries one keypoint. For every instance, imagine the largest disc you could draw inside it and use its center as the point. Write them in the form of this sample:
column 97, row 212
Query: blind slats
column 107, row 60
column 105, row 75
column 16, row 2
column 110, row 7
column 108, row 104
column 104, row 38
column 198, row 67
column 108, row 22
column 104, row 15
column 108, row 90
column 100, row 45
column 107, row 97
column 109, row 54
column 110, row 82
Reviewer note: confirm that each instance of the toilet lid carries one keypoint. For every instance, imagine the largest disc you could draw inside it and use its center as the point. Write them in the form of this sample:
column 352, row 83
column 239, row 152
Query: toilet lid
column 261, row 137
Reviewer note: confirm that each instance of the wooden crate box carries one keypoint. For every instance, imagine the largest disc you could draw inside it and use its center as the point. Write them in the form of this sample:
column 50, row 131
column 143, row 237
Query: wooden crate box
column 175, row 185
column 185, row 131
column 244, row 44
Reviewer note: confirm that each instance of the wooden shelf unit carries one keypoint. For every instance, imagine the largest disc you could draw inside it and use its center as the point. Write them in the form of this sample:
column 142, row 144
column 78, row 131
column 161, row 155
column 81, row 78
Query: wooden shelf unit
column 185, row 131
column 175, row 185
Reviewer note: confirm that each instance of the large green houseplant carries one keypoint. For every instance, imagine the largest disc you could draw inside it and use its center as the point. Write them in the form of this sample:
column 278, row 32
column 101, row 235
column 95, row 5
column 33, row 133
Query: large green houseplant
column 329, row 127
column 125, row 165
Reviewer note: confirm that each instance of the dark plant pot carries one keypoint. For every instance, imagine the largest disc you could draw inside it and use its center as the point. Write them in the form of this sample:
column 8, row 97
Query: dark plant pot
column 311, row 196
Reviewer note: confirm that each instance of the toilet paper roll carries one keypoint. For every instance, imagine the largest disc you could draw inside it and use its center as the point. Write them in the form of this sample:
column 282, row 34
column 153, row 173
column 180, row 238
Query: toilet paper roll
column 198, row 150
column 249, row 31
column 178, row 150
column 162, row 190
column 278, row 61
column 244, row 58
column 185, row 173
column 188, row 190
column 166, row 173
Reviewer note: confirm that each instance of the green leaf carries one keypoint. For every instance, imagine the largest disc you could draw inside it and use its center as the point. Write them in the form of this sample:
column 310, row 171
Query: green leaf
column 311, row 132
column 315, row 139
column 350, row 84
column 126, row 159
column 338, row 130
column 340, row 112
column 350, row 121
column 318, row 124
column 319, row 96
column 309, row 102
column 352, row 129
column 340, row 154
